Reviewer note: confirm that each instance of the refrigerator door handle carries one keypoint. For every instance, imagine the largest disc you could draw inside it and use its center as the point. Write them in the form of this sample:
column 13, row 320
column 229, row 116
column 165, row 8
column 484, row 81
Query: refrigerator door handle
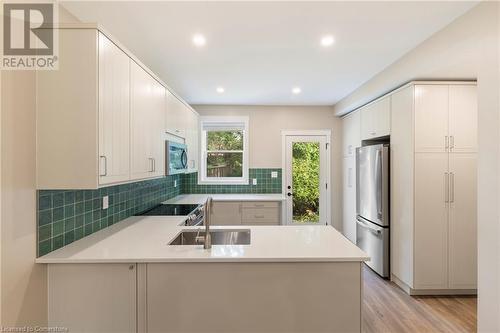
column 364, row 224
column 379, row 183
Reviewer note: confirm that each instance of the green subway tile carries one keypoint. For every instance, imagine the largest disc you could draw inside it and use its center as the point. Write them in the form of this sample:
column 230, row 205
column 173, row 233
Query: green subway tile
column 45, row 217
column 58, row 199
column 79, row 208
column 44, row 247
column 69, row 211
column 57, row 228
column 45, row 202
column 57, row 242
column 69, row 224
column 44, row 232
column 58, row 214
column 79, row 221
column 69, row 237
column 78, row 233
column 69, row 197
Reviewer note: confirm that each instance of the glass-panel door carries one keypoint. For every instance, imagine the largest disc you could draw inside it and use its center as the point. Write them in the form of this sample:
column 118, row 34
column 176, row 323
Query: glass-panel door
column 306, row 185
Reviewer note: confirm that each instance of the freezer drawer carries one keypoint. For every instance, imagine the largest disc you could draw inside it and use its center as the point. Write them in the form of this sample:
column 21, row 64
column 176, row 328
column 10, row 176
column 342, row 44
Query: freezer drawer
column 374, row 240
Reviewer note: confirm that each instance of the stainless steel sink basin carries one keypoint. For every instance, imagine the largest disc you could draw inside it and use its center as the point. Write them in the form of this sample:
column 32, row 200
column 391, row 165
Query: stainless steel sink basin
column 219, row 237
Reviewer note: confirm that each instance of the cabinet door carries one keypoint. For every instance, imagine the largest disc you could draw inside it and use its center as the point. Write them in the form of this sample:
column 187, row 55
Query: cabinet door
column 349, row 198
column 376, row 119
column 157, row 124
column 114, row 113
column 226, row 213
column 92, row 297
column 431, row 221
column 463, row 222
column 192, row 140
column 175, row 120
column 142, row 115
column 431, row 118
column 463, row 118
column 351, row 132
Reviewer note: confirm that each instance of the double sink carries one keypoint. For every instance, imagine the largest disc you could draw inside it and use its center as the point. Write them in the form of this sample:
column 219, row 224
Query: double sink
column 219, row 237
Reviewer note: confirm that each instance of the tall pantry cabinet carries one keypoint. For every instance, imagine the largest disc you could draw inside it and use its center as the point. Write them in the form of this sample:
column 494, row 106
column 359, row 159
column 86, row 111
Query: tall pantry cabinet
column 351, row 137
column 433, row 187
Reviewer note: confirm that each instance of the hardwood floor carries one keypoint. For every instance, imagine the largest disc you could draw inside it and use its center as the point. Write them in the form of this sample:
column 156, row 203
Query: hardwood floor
column 387, row 308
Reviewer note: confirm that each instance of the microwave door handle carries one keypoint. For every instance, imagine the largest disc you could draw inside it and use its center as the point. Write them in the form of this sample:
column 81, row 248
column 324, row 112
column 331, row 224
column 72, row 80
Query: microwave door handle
column 184, row 159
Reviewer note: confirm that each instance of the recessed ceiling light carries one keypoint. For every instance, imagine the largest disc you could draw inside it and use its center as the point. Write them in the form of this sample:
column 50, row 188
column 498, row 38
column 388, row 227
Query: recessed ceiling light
column 327, row 40
column 199, row 40
column 220, row 90
column 296, row 90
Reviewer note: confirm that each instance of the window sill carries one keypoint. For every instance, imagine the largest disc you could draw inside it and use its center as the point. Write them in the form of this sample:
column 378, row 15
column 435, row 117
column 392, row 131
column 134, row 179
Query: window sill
column 223, row 182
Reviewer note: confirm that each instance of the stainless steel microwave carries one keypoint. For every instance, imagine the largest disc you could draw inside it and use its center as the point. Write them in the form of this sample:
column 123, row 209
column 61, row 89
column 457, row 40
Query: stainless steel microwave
column 176, row 159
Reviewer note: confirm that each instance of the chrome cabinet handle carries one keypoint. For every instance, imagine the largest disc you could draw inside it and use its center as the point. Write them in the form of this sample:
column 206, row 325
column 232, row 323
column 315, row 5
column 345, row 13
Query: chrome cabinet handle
column 452, row 187
column 258, row 216
column 446, row 144
column 151, row 164
column 452, row 142
column 446, row 187
column 105, row 165
column 349, row 177
column 154, row 164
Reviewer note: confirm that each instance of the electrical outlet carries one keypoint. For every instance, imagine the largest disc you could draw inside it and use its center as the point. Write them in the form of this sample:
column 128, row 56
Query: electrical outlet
column 175, row 183
column 274, row 174
column 254, row 181
column 105, row 202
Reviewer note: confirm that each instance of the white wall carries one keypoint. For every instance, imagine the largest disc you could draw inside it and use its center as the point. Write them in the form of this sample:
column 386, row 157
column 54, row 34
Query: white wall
column 23, row 284
column 266, row 123
column 467, row 49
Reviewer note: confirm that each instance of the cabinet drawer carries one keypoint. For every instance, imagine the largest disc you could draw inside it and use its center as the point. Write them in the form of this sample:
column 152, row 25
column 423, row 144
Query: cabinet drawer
column 260, row 216
column 260, row 204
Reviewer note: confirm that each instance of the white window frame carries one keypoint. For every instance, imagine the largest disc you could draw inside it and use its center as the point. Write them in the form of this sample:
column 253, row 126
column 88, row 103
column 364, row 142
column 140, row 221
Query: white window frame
column 202, row 174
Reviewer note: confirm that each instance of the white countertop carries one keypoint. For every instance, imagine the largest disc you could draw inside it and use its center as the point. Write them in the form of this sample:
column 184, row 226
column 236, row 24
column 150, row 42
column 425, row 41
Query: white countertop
column 201, row 198
column 145, row 239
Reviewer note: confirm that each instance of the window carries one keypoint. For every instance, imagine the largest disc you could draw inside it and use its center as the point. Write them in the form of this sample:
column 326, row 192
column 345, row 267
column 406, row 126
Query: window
column 224, row 150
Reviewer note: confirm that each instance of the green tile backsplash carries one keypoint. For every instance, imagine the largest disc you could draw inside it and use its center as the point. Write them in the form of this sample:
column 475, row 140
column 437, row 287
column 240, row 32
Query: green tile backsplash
column 65, row 216
column 68, row 215
column 265, row 184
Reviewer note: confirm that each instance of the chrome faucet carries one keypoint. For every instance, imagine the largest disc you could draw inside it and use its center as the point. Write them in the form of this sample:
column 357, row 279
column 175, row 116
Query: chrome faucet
column 207, row 239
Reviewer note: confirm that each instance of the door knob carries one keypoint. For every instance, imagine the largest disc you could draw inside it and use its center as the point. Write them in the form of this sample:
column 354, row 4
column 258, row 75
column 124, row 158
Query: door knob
column 288, row 187
column 289, row 194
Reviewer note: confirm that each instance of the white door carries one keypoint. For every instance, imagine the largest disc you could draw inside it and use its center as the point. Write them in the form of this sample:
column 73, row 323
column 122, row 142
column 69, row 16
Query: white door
column 142, row 115
column 307, row 170
column 114, row 112
column 463, row 222
column 463, row 118
column 431, row 220
column 349, row 195
column 431, row 118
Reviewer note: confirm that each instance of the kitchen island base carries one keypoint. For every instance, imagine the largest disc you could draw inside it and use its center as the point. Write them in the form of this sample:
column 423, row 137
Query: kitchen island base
column 206, row 297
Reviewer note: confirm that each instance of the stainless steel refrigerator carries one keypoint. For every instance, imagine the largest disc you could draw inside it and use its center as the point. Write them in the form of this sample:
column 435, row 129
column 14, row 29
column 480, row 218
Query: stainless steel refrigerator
column 372, row 205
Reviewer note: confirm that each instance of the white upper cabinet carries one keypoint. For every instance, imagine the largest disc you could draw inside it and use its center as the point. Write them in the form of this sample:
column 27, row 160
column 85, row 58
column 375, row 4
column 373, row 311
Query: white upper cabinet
column 114, row 113
column 101, row 117
column 192, row 140
column 147, row 119
column 376, row 119
column 176, row 116
column 351, row 133
column 445, row 118
column 463, row 118
column 431, row 118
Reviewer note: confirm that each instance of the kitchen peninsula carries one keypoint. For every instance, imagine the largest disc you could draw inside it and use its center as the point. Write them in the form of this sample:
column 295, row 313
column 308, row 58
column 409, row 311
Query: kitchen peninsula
column 313, row 284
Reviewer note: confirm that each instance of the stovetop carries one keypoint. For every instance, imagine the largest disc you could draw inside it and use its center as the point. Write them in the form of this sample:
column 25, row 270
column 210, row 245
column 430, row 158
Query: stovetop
column 171, row 209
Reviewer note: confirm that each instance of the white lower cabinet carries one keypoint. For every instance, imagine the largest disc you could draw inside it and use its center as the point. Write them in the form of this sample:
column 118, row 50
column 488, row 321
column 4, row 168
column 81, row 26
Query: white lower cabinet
column 246, row 213
column 349, row 198
column 92, row 297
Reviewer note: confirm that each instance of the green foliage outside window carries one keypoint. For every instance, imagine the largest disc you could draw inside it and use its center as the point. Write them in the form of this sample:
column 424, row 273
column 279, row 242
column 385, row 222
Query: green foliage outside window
column 225, row 153
column 306, row 167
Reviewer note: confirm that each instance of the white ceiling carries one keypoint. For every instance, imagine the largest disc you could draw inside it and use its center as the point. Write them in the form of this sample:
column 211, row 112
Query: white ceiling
column 258, row 51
